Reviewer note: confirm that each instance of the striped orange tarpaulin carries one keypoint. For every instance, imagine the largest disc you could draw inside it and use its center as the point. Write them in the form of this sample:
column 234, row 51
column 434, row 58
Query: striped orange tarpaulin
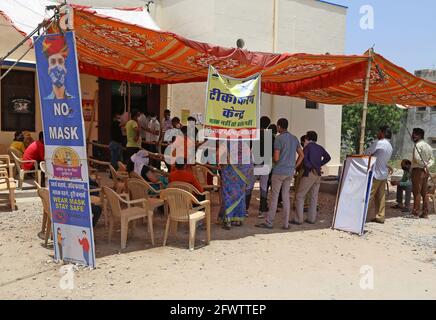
column 116, row 50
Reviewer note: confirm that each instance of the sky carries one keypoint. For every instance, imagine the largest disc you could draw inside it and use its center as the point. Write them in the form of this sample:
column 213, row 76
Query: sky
column 404, row 31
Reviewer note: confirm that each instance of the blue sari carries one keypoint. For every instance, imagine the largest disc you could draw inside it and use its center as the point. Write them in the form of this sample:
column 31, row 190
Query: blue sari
column 234, row 181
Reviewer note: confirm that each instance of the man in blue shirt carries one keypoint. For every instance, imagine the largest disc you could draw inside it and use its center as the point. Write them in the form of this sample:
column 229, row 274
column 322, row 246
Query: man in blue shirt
column 315, row 157
column 286, row 146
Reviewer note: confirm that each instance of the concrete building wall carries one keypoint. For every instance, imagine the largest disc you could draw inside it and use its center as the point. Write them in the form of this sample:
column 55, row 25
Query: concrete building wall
column 271, row 26
column 424, row 118
column 265, row 25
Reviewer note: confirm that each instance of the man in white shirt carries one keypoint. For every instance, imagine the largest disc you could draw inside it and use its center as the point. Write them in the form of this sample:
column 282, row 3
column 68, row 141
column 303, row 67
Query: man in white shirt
column 422, row 160
column 143, row 120
column 152, row 132
column 382, row 150
column 166, row 122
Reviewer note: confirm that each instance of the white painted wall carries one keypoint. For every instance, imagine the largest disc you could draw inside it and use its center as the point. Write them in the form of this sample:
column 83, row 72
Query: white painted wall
column 302, row 26
column 306, row 26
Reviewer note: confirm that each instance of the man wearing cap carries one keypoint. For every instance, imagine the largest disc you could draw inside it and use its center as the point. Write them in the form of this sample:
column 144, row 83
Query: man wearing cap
column 56, row 50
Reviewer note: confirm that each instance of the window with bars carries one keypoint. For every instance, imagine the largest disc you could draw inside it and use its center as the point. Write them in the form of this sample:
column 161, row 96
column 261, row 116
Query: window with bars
column 311, row 104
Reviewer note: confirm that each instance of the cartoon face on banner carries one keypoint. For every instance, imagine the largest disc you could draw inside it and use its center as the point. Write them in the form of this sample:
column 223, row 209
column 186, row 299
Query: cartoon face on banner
column 55, row 49
column 66, row 163
column 58, row 83
column 72, row 244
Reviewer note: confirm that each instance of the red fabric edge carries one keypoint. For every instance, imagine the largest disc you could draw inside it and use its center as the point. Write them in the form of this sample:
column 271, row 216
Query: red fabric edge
column 384, row 61
column 329, row 79
column 111, row 74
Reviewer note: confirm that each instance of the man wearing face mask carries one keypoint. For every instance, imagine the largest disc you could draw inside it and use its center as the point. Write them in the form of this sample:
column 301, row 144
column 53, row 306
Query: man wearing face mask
column 166, row 125
column 56, row 50
column 152, row 132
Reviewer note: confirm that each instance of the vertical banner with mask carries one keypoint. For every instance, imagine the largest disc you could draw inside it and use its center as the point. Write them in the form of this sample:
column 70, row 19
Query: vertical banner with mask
column 65, row 148
column 232, row 107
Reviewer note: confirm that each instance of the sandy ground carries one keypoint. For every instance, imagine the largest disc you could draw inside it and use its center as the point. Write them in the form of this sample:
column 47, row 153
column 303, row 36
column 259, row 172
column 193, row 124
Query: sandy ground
column 306, row 262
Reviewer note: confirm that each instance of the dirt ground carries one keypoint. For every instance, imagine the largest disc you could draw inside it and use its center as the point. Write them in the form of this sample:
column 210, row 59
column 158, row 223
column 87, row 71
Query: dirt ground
column 306, row 262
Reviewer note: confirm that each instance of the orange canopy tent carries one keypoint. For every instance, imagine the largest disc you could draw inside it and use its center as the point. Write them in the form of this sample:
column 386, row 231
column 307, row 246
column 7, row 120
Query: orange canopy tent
column 114, row 49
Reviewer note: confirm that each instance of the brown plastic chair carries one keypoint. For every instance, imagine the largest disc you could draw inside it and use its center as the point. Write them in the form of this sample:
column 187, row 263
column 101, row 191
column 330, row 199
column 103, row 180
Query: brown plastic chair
column 5, row 163
column 152, row 192
column 119, row 179
column 17, row 156
column 7, row 183
column 121, row 167
column 201, row 173
column 131, row 213
column 138, row 189
column 95, row 166
column 155, row 171
column 43, row 193
column 100, row 199
column 180, row 204
column 134, row 175
column 190, row 188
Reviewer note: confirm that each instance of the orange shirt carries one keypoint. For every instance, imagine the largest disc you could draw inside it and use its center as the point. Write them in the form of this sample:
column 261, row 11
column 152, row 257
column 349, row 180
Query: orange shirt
column 185, row 175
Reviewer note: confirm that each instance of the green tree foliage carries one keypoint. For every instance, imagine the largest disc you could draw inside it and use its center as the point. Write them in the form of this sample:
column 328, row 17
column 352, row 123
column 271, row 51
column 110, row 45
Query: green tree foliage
column 378, row 115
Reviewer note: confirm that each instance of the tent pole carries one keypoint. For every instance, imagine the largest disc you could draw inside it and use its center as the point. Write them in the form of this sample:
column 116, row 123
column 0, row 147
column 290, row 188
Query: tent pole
column 365, row 103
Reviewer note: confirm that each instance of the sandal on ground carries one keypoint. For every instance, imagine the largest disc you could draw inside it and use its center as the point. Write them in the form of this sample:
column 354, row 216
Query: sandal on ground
column 415, row 214
column 227, row 226
column 236, row 223
column 263, row 225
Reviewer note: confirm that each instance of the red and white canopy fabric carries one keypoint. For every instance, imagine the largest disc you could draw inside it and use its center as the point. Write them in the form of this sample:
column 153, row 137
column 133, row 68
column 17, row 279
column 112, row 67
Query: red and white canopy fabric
column 114, row 49
column 137, row 51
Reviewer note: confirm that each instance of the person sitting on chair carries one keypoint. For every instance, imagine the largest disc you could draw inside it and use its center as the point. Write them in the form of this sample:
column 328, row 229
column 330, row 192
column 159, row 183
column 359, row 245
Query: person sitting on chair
column 183, row 173
column 404, row 185
column 35, row 151
column 140, row 161
column 18, row 142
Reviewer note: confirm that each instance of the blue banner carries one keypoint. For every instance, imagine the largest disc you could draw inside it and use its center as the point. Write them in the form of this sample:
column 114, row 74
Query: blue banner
column 58, row 82
column 65, row 148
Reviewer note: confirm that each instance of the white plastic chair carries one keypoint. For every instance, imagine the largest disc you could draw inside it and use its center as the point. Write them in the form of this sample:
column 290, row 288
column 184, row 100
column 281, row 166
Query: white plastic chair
column 131, row 213
column 181, row 209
